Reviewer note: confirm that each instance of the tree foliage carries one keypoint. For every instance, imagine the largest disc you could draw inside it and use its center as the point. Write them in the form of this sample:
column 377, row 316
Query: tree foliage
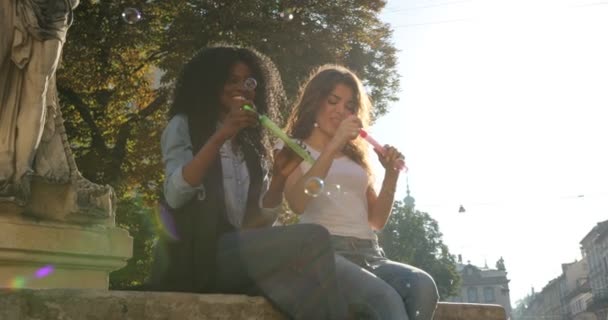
column 413, row 237
column 521, row 308
column 114, row 104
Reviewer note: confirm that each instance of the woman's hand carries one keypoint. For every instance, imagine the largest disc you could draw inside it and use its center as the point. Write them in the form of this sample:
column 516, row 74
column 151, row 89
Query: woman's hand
column 390, row 158
column 237, row 119
column 348, row 130
column 285, row 161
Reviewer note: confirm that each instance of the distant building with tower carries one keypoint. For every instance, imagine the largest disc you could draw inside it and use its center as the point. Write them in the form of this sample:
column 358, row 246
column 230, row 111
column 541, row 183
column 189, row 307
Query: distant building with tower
column 409, row 201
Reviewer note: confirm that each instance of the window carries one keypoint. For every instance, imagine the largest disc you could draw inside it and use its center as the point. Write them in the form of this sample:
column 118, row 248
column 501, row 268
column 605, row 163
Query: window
column 472, row 294
column 488, row 294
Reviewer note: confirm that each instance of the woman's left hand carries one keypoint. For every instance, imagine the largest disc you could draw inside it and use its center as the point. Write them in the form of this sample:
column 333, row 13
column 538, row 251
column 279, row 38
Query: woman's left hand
column 390, row 158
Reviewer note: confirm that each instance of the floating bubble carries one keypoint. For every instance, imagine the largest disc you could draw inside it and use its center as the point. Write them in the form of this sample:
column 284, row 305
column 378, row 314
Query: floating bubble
column 314, row 186
column 286, row 15
column 250, row 84
column 131, row 15
column 417, row 313
column 333, row 190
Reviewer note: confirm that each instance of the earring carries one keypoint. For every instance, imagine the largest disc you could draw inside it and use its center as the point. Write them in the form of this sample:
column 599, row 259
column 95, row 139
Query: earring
column 316, row 125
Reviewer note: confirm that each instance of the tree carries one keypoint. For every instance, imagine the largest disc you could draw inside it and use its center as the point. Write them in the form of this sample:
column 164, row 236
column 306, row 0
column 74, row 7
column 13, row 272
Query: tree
column 115, row 112
column 142, row 222
column 297, row 35
column 521, row 310
column 413, row 237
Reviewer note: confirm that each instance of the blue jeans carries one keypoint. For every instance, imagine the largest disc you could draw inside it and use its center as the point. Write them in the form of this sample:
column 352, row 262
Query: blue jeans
column 379, row 287
column 292, row 266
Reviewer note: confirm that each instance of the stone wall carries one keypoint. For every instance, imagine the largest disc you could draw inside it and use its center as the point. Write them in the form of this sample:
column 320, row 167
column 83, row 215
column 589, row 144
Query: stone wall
column 72, row 304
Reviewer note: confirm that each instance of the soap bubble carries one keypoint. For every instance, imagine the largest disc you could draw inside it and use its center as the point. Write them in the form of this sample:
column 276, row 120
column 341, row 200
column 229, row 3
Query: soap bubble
column 314, row 186
column 131, row 15
column 333, row 190
column 250, row 84
column 286, row 15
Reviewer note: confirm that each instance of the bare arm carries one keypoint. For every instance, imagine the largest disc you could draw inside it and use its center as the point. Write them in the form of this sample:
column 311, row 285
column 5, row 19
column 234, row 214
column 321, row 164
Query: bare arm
column 195, row 171
column 285, row 163
column 237, row 119
column 381, row 205
column 296, row 183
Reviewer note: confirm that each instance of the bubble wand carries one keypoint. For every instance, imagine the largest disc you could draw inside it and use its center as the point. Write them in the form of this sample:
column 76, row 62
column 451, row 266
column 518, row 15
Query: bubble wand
column 266, row 122
column 400, row 165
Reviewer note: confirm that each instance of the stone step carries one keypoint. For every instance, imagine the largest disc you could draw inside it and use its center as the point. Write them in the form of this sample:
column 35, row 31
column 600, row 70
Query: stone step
column 469, row 311
column 91, row 304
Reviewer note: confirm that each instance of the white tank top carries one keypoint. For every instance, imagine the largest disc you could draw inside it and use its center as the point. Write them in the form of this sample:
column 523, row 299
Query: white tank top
column 341, row 207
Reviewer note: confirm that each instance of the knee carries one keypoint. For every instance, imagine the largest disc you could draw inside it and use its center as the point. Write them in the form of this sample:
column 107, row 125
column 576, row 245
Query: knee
column 315, row 233
column 426, row 287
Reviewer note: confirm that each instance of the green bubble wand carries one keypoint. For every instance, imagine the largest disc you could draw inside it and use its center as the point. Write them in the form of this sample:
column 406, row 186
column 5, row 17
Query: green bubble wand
column 268, row 124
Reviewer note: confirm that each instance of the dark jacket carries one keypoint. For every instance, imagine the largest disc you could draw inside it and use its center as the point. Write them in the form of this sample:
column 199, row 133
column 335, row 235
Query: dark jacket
column 187, row 262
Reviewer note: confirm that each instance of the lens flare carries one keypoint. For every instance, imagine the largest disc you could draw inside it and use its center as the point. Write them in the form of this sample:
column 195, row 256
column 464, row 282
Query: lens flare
column 17, row 283
column 166, row 223
column 44, row 271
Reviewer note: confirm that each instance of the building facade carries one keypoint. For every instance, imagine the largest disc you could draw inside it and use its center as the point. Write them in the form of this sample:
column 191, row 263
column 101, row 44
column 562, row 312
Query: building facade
column 594, row 247
column 484, row 285
column 576, row 291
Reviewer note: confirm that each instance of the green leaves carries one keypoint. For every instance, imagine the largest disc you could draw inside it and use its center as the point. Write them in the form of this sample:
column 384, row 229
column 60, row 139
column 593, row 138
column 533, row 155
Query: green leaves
column 115, row 77
column 413, row 237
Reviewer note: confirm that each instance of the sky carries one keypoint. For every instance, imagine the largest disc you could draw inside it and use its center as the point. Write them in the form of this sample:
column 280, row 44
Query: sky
column 503, row 109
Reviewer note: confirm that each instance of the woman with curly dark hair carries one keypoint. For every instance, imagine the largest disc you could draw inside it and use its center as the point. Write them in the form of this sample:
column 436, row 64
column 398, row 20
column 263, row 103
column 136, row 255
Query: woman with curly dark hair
column 218, row 193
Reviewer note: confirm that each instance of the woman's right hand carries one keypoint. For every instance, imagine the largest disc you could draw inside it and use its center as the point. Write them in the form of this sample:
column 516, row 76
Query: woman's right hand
column 285, row 162
column 237, row 119
column 348, row 130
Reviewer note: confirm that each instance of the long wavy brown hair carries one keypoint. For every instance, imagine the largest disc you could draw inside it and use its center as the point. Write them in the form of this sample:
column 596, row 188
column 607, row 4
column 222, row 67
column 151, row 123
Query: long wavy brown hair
column 317, row 89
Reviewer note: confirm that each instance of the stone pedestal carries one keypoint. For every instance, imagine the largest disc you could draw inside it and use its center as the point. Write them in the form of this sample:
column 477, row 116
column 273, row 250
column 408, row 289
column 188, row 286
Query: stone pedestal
column 40, row 254
column 103, row 304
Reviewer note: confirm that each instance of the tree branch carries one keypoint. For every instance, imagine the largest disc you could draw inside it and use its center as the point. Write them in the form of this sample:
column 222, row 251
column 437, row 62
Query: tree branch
column 124, row 131
column 153, row 57
column 97, row 140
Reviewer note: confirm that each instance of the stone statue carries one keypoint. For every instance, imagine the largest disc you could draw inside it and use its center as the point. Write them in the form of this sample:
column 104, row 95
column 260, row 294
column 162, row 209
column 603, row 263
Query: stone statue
column 500, row 264
column 37, row 169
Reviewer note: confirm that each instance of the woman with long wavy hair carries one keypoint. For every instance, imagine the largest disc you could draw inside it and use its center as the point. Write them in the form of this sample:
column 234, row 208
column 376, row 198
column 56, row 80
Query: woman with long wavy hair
column 327, row 118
